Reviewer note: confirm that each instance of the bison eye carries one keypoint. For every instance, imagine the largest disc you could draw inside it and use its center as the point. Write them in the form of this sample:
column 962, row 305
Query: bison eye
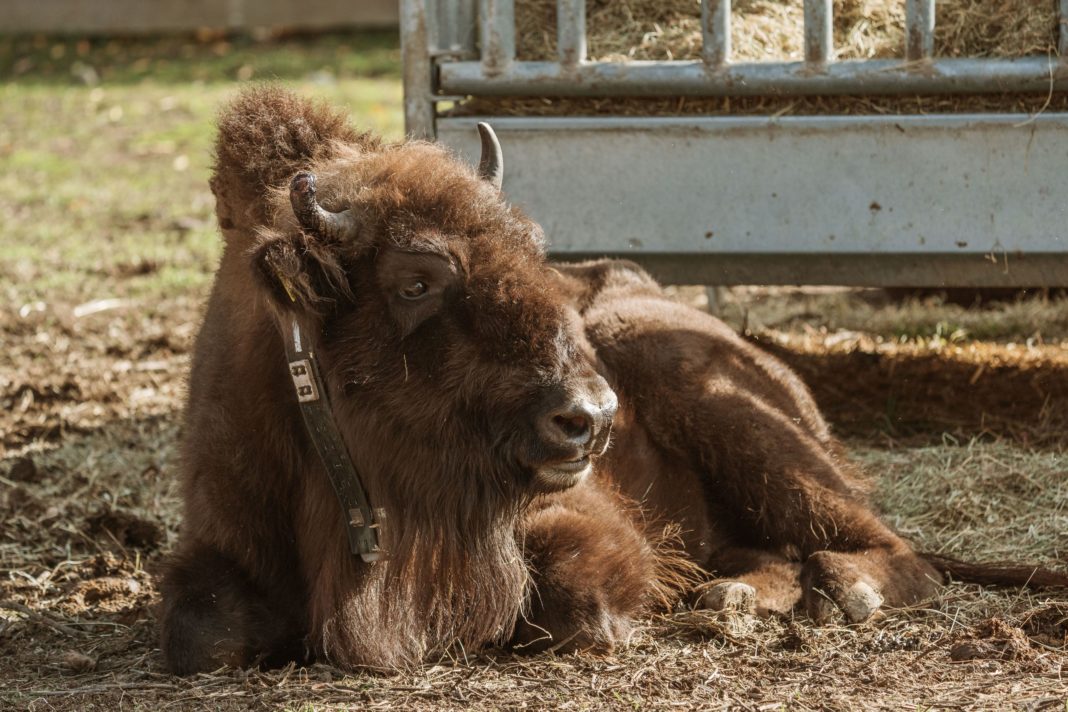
column 415, row 290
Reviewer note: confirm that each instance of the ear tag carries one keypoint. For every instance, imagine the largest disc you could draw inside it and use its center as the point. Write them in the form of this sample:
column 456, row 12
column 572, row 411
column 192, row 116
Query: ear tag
column 288, row 286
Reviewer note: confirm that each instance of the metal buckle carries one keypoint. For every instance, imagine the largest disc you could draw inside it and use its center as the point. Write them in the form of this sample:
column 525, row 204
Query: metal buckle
column 303, row 381
column 356, row 517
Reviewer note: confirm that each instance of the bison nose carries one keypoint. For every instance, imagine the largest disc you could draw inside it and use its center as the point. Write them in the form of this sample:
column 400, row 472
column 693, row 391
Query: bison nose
column 570, row 425
column 580, row 424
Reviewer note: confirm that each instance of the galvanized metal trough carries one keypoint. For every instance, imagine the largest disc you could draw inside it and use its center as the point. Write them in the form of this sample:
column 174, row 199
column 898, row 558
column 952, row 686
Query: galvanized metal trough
column 905, row 200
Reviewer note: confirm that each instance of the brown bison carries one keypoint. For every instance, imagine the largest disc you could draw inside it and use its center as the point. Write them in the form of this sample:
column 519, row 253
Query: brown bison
column 460, row 444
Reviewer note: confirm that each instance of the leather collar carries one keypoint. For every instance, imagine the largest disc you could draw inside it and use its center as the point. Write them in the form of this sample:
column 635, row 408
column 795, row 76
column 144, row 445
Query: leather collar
column 362, row 522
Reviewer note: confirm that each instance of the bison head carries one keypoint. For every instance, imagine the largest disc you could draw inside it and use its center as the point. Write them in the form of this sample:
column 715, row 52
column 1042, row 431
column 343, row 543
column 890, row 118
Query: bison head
column 457, row 368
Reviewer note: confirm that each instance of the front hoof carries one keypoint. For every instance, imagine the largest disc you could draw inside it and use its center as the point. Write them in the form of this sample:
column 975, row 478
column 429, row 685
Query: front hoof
column 599, row 633
column 834, row 590
column 732, row 596
column 860, row 602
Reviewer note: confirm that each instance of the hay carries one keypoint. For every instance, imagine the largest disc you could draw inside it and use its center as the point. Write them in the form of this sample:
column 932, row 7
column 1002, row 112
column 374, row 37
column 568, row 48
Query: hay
column 771, row 30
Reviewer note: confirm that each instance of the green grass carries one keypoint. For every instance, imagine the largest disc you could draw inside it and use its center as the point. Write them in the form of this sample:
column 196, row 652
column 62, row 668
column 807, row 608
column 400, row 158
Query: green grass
column 209, row 57
column 103, row 187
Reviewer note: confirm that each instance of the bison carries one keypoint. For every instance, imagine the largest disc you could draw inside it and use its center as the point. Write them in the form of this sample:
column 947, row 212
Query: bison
column 518, row 453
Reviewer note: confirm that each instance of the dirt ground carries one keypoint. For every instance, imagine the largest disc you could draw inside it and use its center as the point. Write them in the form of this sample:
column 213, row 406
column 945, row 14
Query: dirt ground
column 958, row 413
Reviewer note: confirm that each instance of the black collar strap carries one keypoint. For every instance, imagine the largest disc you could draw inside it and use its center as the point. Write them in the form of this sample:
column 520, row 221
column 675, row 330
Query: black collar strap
column 363, row 522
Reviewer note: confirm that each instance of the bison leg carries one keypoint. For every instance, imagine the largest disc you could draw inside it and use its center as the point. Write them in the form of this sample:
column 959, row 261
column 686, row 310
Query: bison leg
column 850, row 561
column 213, row 616
column 591, row 573
column 786, row 489
column 752, row 581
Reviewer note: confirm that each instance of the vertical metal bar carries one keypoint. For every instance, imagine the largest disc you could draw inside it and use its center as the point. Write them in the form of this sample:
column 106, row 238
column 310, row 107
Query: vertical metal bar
column 442, row 30
column 716, row 31
column 456, row 28
column 418, row 70
column 1062, row 41
column 919, row 29
column 467, row 22
column 497, row 32
column 819, row 41
column 571, row 31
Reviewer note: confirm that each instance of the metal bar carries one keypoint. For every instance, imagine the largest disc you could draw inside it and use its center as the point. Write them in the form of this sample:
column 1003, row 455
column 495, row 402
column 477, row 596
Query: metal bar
column 727, row 125
column 819, row 43
column 497, row 32
column 597, row 79
column 919, row 29
column 571, row 31
column 845, row 269
column 1062, row 42
column 716, row 31
column 456, row 28
column 418, row 70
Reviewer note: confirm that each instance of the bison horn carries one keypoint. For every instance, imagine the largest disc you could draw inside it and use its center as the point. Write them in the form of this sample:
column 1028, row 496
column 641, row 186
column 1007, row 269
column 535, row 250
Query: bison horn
column 491, row 164
column 312, row 217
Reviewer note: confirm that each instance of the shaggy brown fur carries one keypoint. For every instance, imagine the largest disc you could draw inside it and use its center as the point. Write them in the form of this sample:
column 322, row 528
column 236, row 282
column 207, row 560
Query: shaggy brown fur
column 469, row 411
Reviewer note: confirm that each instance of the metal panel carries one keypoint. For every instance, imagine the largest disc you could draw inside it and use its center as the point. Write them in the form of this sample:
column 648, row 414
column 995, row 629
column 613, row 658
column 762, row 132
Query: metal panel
column 962, row 197
column 693, row 78
column 919, row 29
column 819, row 16
column 716, row 31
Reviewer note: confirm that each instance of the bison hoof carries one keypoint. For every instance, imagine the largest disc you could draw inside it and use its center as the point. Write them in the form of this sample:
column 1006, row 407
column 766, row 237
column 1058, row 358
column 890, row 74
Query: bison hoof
column 733, row 596
column 856, row 604
column 836, row 587
column 860, row 602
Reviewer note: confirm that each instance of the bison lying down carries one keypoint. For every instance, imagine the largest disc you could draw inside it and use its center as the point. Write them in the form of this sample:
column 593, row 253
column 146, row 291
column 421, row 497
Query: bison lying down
column 474, row 387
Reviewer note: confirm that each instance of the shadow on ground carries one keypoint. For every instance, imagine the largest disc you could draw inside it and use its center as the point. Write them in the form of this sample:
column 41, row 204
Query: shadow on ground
column 919, row 398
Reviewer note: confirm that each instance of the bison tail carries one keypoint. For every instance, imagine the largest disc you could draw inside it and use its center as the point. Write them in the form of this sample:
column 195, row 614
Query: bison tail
column 265, row 136
column 997, row 573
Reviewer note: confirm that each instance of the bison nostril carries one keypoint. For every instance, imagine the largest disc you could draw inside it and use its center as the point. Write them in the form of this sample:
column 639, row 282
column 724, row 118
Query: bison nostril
column 573, row 426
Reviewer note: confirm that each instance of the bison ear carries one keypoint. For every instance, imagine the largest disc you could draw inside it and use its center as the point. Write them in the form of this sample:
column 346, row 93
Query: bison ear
column 303, row 272
column 300, row 273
